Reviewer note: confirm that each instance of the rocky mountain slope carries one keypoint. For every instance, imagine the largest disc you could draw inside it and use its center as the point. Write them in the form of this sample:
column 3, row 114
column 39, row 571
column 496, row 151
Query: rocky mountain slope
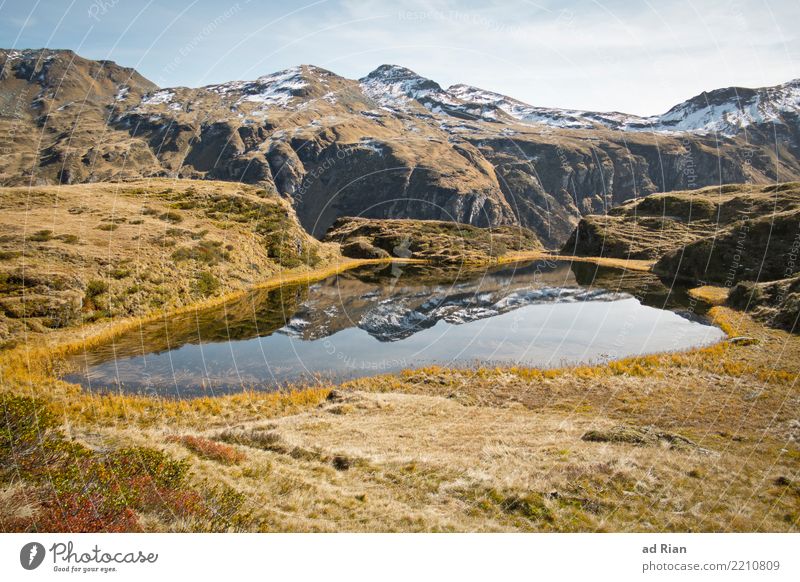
column 390, row 145
column 722, row 111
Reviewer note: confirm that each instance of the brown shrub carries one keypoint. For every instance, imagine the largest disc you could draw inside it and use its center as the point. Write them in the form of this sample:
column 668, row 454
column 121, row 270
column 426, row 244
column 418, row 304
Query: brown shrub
column 209, row 449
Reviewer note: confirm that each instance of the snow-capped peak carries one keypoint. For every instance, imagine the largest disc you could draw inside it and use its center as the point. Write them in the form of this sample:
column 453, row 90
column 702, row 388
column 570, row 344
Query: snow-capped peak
column 395, row 86
column 570, row 118
column 724, row 111
column 727, row 111
column 396, row 75
column 274, row 89
column 398, row 89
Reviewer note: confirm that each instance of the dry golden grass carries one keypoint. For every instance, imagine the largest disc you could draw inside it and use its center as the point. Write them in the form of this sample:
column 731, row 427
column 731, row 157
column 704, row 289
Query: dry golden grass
column 493, row 449
column 91, row 252
column 629, row 264
column 710, row 294
column 470, row 450
column 437, row 241
column 503, row 450
column 428, row 463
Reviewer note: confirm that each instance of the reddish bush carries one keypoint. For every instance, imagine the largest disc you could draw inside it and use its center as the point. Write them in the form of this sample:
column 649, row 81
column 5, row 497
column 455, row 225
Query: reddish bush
column 72, row 488
column 209, row 449
column 77, row 513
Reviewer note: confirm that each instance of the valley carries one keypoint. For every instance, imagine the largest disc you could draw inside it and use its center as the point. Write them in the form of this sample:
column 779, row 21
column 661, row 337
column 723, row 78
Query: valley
column 620, row 445
column 310, row 303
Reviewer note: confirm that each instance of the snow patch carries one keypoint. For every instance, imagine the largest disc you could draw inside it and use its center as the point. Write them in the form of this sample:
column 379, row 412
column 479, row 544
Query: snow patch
column 277, row 89
column 705, row 114
column 158, row 98
column 372, row 145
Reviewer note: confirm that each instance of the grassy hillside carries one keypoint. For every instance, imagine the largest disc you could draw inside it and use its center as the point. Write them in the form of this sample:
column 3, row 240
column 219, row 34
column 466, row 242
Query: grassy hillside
column 76, row 254
column 754, row 248
column 652, row 226
column 723, row 236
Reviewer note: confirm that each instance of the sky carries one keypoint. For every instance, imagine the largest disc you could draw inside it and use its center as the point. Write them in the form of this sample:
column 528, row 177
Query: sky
column 617, row 55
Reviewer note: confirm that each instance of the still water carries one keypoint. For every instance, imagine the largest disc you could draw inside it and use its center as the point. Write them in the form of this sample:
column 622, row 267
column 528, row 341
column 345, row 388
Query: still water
column 382, row 319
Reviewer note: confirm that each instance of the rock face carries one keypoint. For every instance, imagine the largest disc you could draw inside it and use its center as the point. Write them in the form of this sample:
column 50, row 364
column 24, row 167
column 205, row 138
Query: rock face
column 390, row 145
column 431, row 240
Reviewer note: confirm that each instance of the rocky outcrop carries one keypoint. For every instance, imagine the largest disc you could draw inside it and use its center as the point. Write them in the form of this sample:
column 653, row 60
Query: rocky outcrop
column 641, row 436
column 738, row 236
column 759, row 249
column 776, row 303
column 435, row 241
column 664, row 224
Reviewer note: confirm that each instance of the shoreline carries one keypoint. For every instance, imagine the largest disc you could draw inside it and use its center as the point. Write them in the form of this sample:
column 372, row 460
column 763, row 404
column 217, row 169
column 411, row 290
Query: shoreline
column 629, row 264
column 43, row 365
column 93, row 333
column 63, row 341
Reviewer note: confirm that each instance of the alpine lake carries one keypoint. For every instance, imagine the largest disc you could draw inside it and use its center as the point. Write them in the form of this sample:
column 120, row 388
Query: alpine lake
column 386, row 318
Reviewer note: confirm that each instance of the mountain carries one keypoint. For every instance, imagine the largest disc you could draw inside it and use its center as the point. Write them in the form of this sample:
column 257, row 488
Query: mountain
column 390, row 145
column 563, row 118
column 733, row 110
column 55, row 109
column 726, row 112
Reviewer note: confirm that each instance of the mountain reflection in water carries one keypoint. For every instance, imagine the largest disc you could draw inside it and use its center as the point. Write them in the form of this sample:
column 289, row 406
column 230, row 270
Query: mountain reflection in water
column 391, row 317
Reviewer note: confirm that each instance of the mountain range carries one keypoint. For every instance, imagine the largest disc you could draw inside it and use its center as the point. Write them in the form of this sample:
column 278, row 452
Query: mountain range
column 390, row 145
